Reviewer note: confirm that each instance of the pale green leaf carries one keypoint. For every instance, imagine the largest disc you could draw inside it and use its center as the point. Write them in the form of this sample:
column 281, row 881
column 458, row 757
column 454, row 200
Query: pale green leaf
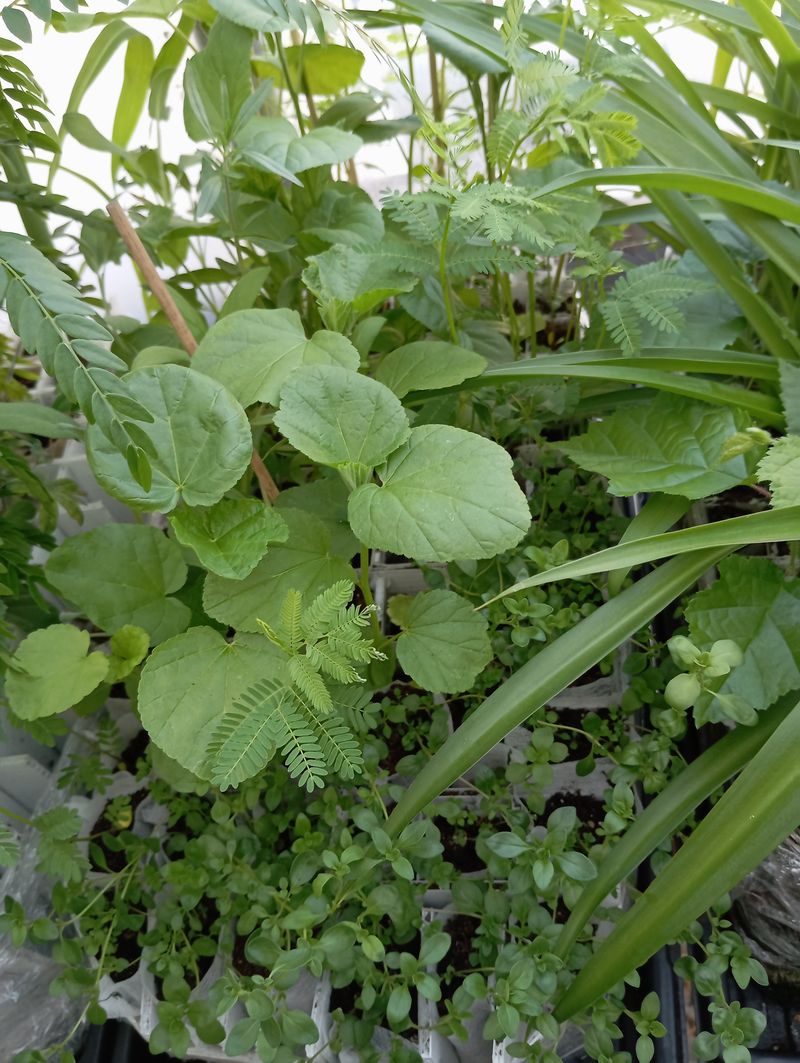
column 357, row 277
column 755, row 606
column 427, row 365
column 129, row 646
column 326, row 498
column 780, row 467
column 445, row 494
column 230, row 537
column 217, row 82
column 665, row 445
column 191, row 681
column 444, row 643
column 278, row 147
column 328, row 68
column 245, row 738
column 254, row 14
column 345, row 215
column 121, row 574
column 201, row 437
column 305, row 562
column 253, row 352
column 34, row 419
column 338, row 417
column 52, row 670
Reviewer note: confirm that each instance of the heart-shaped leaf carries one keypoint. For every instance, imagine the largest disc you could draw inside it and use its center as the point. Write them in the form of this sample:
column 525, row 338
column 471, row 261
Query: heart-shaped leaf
column 52, row 670
column 121, row 574
column 191, row 680
column 445, row 494
column 253, row 352
column 231, row 537
column 340, row 418
column 304, row 563
column 200, row 438
column 444, row 644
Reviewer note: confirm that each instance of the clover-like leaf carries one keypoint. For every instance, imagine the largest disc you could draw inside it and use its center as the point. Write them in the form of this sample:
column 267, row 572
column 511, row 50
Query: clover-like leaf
column 199, row 443
column 444, row 643
column 445, row 494
column 305, row 563
column 230, row 537
column 52, row 670
column 123, row 574
column 254, row 352
column 341, row 418
column 190, row 681
column 428, row 365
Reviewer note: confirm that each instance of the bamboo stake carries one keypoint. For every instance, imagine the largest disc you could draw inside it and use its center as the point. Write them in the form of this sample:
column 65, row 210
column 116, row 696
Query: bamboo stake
column 138, row 253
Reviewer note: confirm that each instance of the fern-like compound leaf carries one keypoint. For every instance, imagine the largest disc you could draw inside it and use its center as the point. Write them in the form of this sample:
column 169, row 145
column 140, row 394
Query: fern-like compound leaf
column 324, row 658
column 291, row 613
column 340, row 747
column 325, row 609
column 245, row 738
column 309, row 682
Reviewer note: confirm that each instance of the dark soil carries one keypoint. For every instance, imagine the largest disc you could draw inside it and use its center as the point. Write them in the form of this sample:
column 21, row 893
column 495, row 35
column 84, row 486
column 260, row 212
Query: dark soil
column 115, row 861
column 589, row 809
column 462, row 930
column 396, row 731
column 591, row 676
column 135, row 749
column 241, row 962
column 579, row 745
column 127, row 948
column 462, row 854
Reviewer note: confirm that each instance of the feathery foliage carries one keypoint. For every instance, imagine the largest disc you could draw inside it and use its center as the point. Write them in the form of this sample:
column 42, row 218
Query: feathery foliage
column 306, row 720
column 652, row 293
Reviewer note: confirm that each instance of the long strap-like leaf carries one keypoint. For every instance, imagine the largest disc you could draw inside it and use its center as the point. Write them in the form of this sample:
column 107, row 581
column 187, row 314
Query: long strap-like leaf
column 666, row 813
column 549, row 672
column 772, row 526
column 757, row 813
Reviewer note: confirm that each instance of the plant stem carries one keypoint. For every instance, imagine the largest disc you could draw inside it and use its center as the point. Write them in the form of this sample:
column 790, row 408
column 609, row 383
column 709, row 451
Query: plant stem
column 290, row 85
column 13, row 815
column 448, row 306
column 366, row 590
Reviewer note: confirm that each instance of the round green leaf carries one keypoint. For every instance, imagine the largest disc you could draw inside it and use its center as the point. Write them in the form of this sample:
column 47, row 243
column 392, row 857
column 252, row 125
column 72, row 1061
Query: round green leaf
column 121, row 574
column 191, row 680
column 231, row 537
column 201, row 439
column 444, row 644
column 338, row 417
column 303, row 563
column 253, row 352
column 427, row 365
column 52, row 670
column 445, row 494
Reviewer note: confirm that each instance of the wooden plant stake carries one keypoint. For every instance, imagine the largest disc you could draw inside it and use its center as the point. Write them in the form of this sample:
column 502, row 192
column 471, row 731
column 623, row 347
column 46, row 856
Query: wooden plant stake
column 138, row 252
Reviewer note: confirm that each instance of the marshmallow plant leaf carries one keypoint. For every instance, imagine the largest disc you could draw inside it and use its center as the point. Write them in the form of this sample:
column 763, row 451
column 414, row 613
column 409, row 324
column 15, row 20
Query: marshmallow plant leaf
column 666, row 445
column 444, row 643
column 198, row 445
column 230, row 537
column 123, row 574
column 253, row 352
column 52, row 670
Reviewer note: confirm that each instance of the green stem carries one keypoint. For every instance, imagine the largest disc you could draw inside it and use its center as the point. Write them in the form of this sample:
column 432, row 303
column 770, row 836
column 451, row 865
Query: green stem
column 13, row 815
column 369, row 599
column 290, row 86
column 448, row 305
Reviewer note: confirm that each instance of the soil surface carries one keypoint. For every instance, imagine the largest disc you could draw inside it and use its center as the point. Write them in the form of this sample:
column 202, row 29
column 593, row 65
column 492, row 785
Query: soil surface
column 462, row 930
column 115, row 861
